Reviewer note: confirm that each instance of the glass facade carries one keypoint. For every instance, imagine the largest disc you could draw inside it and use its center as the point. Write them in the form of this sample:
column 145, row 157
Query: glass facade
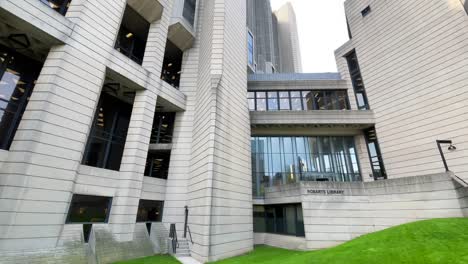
column 284, row 219
column 189, row 11
column 357, row 82
column 298, row 100
column 378, row 168
column 282, row 160
column 18, row 75
column 250, row 48
column 172, row 64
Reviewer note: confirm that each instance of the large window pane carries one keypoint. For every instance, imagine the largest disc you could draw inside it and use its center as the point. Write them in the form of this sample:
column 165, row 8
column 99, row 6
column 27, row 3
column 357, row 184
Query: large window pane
column 17, row 78
column 89, row 209
column 279, row 219
column 109, row 132
column 272, row 101
column 150, row 211
column 291, row 159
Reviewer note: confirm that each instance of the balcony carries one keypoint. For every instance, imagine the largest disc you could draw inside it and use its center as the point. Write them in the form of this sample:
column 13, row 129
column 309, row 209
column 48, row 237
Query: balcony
column 182, row 27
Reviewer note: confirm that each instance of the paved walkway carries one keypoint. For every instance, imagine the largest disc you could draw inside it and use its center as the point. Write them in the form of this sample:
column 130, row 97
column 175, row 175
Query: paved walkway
column 188, row 260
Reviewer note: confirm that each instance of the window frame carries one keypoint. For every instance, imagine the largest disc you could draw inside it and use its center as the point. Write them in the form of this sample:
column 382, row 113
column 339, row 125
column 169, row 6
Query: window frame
column 354, row 74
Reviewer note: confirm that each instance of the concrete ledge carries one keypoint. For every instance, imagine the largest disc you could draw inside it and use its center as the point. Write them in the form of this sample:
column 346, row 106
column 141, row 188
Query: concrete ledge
column 330, row 118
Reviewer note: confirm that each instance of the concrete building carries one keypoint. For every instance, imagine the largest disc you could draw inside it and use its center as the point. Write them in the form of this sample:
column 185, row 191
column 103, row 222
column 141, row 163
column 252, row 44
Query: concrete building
column 261, row 27
column 272, row 39
column 131, row 127
column 288, row 40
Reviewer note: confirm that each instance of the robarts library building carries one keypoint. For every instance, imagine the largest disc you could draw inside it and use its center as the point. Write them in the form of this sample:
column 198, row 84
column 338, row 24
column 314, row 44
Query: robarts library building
column 136, row 127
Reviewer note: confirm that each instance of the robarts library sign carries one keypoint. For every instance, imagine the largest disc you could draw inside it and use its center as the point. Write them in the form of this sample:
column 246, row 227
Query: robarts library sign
column 325, row 192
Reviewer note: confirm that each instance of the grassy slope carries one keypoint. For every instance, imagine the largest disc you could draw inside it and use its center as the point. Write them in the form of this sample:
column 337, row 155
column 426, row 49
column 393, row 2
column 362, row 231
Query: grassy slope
column 424, row 242
column 438, row 241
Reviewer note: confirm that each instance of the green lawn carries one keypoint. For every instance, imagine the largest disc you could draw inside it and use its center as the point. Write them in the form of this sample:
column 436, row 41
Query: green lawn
column 426, row 242
column 438, row 241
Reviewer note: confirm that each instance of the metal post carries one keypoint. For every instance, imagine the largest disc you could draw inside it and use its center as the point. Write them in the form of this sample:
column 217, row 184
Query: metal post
column 439, row 142
column 186, row 219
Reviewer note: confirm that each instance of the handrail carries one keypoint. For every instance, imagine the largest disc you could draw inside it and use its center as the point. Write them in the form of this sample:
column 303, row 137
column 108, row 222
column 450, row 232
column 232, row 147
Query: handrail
column 190, row 233
column 173, row 235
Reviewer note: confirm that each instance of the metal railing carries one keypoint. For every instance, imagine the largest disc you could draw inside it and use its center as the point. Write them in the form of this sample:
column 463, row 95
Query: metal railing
column 190, row 233
column 173, row 236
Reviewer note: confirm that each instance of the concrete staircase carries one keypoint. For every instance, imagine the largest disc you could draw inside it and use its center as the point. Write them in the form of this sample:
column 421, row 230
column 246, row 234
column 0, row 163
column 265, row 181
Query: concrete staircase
column 184, row 248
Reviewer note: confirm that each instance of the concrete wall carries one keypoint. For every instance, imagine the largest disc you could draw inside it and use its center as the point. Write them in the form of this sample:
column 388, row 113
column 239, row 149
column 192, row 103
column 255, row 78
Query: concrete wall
column 415, row 78
column 289, row 242
column 331, row 219
column 43, row 167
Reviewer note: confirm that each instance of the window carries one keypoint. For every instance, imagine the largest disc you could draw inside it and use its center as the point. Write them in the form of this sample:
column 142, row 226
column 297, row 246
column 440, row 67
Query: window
column 150, row 211
column 349, row 29
column 250, row 49
column 189, row 11
column 157, row 165
column 163, row 126
column 61, row 6
column 357, row 82
column 285, row 219
column 109, row 130
column 284, row 101
column 172, row 64
column 18, row 75
column 133, row 34
column 261, row 101
column 251, row 100
column 366, row 11
column 273, row 101
column 281, row 160
column 378, row 168
column 89, row 209
column 298, row 100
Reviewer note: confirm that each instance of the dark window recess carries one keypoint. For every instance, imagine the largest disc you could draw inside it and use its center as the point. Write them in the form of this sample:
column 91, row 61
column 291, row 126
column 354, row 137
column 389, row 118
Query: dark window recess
column 133, row 34
column 163, row 126
column 89, row 209
column 172, row 64
column 18, row 75
column 157, row 164
column 378, row 168
column 61, row 6
column 285, row 219
column 298, row 100
column 189, row 11
column 357, row 82
column 150, row 211
column 87, row 228
column 109, row 132
column 366, row 11
column 349, row 29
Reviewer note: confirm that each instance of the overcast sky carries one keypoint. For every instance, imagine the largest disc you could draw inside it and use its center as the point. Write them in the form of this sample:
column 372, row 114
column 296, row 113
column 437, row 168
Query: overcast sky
column 322, row 29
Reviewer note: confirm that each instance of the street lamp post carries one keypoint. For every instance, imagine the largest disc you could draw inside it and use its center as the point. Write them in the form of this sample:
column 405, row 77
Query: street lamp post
column 451, row 148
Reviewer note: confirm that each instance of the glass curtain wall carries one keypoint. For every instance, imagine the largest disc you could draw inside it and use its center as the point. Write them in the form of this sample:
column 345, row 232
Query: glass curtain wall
column 282, row 160
column 298, row 100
